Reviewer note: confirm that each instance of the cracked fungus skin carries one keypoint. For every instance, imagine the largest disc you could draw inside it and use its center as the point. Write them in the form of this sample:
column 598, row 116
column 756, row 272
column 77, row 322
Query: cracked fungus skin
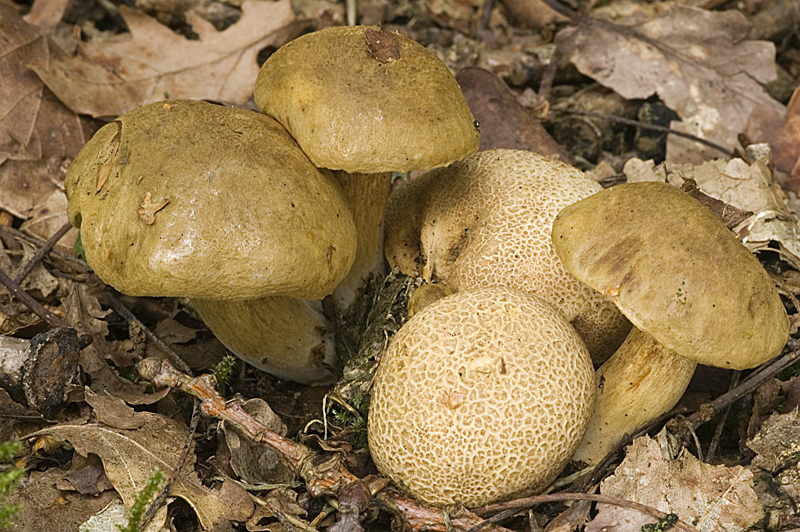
column 486, row 220
column 482, row 396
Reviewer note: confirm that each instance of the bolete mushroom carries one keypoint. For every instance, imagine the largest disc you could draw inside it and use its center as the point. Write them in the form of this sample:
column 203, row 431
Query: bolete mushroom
column 189, row 199
column 486, row 221
column 693, row 292
column 366, row 103
column 481, row 396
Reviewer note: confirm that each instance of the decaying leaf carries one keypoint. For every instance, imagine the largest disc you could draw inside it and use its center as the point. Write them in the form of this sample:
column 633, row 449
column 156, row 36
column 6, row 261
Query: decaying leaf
column 712, row 498
column 504, row 122
column 698, row 63
column 31, row 118
column 148, row 208
column 747, row 187
column 111, row 77
column 130, row 457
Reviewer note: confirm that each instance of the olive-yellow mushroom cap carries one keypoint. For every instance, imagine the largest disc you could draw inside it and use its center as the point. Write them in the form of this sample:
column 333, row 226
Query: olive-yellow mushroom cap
column 481, row 396
column 359, row 110
column 676, row 271
column 186, row 198
column 486, row 220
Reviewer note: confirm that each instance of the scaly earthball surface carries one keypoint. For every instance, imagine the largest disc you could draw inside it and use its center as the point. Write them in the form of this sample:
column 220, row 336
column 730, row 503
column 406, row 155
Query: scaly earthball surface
column 482, row 396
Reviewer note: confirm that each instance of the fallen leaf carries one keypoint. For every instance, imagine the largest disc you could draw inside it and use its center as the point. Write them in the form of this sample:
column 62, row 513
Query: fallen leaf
column 130, row 457
column 153, row 63
column 25, row 183
column 31, row 118
column 147, row 208
column 504, row 122
column 697, row 61
column 712, row 498
column 46, row 14
column 45, row 507
column 786, row 148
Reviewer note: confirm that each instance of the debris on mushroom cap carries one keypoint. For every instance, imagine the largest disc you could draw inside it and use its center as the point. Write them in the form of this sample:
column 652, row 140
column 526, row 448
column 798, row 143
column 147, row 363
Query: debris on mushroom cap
column 247, row 216
column 676, row 271
column 481, row 396
column 286, row 337
column 349, row 111
column 486, row 221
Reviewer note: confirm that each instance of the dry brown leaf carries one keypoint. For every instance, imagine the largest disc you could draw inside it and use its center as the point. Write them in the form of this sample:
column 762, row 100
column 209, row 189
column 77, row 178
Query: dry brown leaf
column 712, row 498
column 130, row 457
column 786, row 148
column 698, row 63
column 504, row 122
column 148, row 208
column 153, row 63
column 32, row 120
column 45, row 507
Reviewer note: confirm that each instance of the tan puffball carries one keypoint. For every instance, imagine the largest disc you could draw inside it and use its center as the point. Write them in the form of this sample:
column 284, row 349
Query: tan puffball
column 486, row 220
column 481, row 396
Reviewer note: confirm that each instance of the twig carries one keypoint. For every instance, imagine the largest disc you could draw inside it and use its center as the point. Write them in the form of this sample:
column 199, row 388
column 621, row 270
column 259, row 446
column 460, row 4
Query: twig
column 323, row 475
column 109, row 299
column 747, row 386
column 643, row 125
column 42, row 252
column 712, row 447
column 162, row 496
column 30, row 302
column 15, row 233
column 485, row 17
column 521, row 504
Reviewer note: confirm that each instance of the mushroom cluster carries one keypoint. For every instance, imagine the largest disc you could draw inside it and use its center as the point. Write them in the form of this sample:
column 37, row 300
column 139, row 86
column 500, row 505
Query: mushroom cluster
column 221, row 205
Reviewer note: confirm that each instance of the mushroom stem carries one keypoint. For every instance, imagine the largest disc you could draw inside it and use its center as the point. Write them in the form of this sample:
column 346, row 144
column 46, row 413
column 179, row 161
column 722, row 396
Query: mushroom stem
column 640, row 381
column 366, row 195
column 287, row 337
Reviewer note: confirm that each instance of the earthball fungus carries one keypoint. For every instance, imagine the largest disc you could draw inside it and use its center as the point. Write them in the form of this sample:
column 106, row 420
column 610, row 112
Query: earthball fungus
column 188, row 199
column 366, row 103
column 693, row 292
column 481, row 396
column 486, row 220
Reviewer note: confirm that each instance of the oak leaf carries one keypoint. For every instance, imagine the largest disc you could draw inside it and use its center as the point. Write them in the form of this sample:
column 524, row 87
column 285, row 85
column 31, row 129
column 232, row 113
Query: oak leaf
column 697, row 61
column 153, row 63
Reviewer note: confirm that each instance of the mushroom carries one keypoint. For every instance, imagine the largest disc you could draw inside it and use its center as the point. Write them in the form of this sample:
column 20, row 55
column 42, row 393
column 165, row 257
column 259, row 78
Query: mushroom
column 693, row 292
column 366, row 103
column 486, row 221
column 481, row 396
column 189, row 199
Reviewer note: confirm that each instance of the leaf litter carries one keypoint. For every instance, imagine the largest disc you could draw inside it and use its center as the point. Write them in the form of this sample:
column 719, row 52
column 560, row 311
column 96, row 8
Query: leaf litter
column 685, row 52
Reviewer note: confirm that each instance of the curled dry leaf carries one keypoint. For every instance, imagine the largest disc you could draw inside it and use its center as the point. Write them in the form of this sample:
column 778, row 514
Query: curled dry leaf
column 152, row 63
column 697, row 61
column 712, row 498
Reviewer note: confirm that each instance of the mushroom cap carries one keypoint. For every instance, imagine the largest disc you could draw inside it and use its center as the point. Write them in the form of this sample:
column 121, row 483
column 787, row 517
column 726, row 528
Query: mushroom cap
column 486, row 220
column 248, row 214
column 350, row 111
column 676, row 271
column 481, row 396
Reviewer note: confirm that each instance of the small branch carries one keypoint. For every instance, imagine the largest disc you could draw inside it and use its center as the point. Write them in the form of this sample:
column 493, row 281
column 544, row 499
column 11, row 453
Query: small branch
column 653, row 127
column 521, row 504
column 42, row 252
column 30, row 302
column 324, row 475
column 109, row 299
